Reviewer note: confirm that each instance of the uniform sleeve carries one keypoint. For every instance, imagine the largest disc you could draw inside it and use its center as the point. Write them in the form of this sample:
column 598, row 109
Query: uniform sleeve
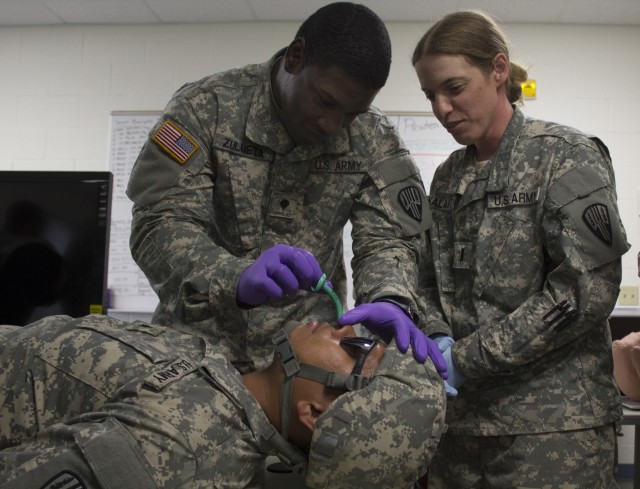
column 95, row 455
column 583, row 240
column 145, row 444
column 173, row 212
column 389, row 217
column 433, row 320
column 105, row 404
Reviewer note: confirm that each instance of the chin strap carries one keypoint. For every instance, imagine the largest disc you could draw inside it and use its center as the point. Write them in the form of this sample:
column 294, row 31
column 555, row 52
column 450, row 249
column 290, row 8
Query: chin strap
column 293, row 368
column 286, row 452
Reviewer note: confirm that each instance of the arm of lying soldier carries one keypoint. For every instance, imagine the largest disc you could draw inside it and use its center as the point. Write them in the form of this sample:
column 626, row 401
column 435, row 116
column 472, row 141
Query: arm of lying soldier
column 95, row 402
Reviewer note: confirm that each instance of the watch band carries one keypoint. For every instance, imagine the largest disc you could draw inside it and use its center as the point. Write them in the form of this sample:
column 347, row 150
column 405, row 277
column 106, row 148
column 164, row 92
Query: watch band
column 406, row 308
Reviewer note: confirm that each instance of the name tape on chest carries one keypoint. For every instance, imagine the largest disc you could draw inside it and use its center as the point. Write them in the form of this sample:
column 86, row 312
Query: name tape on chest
column 447, row 202
column 242, row 148
column 170, row 373
column 340, row 166
column 515, row 198
column 175, row 142
column 442, row 203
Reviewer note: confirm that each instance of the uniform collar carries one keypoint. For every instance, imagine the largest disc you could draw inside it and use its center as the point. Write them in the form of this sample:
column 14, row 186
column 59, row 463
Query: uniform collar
column 229, row 381
column 498, row 171
column 501, row 163
column 264, row 127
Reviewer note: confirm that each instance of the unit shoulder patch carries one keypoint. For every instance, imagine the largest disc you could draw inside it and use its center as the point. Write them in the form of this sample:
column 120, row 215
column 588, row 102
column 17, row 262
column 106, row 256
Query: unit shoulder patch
column 411, row 201
column 597, row 219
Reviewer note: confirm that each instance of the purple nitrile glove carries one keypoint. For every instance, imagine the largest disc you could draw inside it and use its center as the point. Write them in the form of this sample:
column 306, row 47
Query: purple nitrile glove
column 280, row 270
column 389, row 321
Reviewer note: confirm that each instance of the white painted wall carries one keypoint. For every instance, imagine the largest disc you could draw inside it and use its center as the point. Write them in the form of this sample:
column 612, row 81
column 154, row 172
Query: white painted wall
column 59, row 84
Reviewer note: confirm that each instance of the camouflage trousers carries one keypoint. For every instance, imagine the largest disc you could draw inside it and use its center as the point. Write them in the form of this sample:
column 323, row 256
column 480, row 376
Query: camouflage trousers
column 581, row 459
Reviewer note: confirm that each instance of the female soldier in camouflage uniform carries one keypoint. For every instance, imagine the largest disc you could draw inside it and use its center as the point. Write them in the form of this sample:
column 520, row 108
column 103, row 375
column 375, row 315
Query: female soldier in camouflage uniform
column 526, row 245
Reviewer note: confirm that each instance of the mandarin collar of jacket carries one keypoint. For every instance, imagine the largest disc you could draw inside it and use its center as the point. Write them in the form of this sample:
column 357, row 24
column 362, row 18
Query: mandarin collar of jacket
column 500, row 166
column 265, row 128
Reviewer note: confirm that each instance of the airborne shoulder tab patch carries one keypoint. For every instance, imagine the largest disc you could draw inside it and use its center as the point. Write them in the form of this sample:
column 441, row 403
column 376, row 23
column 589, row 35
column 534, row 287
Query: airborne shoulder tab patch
column 410, row 200
column 596, row 217
column 175, row 142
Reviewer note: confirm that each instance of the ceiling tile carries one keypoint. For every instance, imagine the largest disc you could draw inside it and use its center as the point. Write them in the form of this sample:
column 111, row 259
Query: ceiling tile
column 286, row 10
column 102, row 11
column 39, row 12
column 202, row 10
column 26, row 12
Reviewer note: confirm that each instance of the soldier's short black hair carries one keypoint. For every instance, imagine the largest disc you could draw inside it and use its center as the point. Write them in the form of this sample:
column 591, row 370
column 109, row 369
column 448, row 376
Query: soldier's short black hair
column 350, row 36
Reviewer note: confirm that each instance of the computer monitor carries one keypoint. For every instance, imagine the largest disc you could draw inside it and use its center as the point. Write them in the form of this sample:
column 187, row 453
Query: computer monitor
column 54, row 244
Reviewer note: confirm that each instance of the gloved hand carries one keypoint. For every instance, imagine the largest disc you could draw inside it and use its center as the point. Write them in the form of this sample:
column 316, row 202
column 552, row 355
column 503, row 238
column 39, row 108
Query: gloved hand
column 280, row 270
column 442, row 340
column 455, row 379
column 388, row 321
column 450, row 391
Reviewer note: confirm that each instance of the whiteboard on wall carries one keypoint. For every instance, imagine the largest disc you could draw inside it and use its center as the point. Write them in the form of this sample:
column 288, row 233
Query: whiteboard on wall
column 128, row 286
column 428, row 142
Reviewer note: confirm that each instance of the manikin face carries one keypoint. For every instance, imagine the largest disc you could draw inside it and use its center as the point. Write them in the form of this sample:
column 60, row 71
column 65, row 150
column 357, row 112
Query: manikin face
column 319, row 102
column 319, row 345
column 463, row 98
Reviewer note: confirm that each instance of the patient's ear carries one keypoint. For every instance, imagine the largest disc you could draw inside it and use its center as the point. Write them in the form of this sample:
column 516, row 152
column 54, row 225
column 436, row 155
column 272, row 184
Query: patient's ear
column 308, row 413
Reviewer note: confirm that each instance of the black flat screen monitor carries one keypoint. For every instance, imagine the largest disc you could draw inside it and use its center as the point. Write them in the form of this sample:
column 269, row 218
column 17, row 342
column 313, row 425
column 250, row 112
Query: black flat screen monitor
column 54, row 244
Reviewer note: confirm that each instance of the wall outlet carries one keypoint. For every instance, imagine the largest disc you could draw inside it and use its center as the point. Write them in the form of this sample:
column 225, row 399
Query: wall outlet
column 628, row 295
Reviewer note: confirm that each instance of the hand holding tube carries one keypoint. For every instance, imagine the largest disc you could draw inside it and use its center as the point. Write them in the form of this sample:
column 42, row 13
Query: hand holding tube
column 281, row 270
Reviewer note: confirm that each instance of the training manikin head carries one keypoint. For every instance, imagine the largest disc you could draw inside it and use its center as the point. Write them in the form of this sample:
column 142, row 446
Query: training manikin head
column 382, row 432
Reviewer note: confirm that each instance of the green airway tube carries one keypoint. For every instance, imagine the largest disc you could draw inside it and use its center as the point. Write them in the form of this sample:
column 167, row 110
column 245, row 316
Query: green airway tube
column 322, row 286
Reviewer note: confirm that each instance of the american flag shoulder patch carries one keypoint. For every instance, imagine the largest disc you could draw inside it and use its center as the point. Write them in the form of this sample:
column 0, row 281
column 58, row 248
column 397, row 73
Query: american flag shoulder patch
column 175, row 142
column 64, row 480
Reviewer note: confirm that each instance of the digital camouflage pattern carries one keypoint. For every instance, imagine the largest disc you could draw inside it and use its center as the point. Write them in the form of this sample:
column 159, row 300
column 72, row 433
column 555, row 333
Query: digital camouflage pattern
column 537, row 225
column 244, row 187
column 578, row 459
column 96, row 402
column 383, row 436
column 144, row 405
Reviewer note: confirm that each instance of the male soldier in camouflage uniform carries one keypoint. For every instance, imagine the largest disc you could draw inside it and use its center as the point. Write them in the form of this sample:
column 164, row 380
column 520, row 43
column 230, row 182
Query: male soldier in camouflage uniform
column 526, row 243
column 247, row 180
column 97, row 403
